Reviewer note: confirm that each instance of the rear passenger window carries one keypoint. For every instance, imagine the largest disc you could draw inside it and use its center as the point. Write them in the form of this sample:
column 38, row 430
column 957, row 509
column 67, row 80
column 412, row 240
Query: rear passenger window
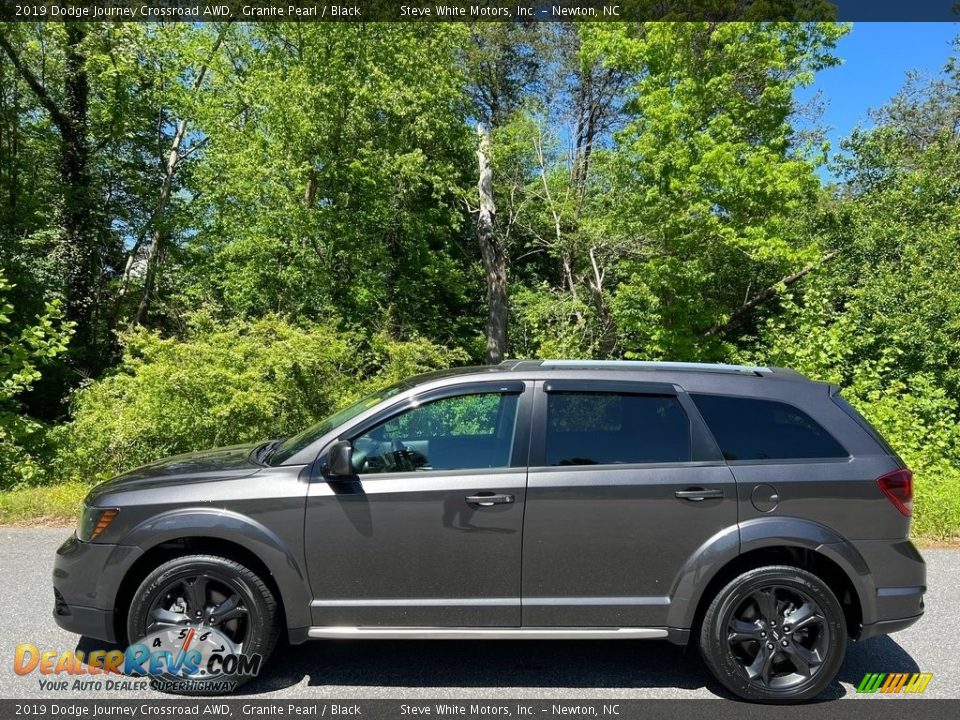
column 749, row 429
column 610, row 428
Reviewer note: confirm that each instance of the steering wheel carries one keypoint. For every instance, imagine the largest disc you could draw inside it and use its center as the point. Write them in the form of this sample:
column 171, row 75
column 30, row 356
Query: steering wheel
column 400, row 454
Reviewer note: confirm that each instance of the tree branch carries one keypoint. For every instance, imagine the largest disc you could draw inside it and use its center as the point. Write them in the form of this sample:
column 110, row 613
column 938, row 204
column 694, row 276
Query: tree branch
column 766, row 294
column 60, row 120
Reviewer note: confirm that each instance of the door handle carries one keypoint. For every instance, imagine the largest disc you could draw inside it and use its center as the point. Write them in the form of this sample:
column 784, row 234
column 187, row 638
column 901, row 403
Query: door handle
column 487, row 499
column 699, row 494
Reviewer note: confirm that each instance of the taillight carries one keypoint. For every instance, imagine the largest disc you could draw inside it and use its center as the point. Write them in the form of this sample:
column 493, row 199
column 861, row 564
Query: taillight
column 898, row 487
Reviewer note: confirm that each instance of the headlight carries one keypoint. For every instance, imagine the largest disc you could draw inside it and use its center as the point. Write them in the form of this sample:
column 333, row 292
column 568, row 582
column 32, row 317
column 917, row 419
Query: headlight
column 93, row 521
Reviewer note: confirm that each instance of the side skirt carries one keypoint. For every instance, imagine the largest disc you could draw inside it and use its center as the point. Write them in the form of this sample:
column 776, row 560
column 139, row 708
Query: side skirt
column 495, row 633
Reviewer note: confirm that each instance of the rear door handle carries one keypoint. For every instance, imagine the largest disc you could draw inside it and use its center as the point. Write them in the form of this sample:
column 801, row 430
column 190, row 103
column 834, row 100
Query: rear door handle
column 487, row 499
column 698, row 494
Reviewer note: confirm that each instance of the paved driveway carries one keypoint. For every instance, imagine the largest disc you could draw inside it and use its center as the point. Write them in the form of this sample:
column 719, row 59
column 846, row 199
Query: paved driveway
column 477, row 669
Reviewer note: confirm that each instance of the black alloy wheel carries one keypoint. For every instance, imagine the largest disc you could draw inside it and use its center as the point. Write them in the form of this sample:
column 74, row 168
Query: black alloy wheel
column 774, row 634
column 208, row 591
column 204, row 599
column 779, row 636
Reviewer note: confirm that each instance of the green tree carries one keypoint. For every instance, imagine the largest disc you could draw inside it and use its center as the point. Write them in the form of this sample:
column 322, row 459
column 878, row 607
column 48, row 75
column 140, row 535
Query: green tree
column 883, row 320
column 330, row 178
column 80, row 248
column 698, row 199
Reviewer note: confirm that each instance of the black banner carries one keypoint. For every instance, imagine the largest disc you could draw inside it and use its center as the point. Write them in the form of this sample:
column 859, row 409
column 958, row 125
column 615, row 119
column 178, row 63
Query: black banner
column 474, row 709
column 893, row 708
column 476, row 11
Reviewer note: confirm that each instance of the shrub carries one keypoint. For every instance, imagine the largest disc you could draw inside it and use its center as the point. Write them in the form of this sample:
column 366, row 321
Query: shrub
column 918, row 419
column 225, row 384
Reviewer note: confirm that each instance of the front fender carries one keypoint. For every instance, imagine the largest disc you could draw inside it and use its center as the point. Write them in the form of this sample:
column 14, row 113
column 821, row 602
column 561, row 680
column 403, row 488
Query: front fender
column 233, row 527
column 756, row 534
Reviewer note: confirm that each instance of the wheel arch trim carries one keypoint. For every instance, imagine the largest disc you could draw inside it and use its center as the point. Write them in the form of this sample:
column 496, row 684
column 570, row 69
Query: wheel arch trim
column 237, row 529
column 733, row 542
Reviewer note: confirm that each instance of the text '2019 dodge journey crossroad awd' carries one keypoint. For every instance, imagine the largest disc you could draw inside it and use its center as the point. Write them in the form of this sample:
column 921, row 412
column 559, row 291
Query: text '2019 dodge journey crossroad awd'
column 747, row 510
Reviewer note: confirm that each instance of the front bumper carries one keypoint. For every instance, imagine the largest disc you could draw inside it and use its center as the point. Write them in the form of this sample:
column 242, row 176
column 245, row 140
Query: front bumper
column 86, row 621
column 86, row 579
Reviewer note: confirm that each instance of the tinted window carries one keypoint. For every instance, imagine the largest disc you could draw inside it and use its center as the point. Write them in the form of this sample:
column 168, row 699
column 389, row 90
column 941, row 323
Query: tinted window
column 463, row 432
column 862, row 422
column 610, row 428
column 749, row 429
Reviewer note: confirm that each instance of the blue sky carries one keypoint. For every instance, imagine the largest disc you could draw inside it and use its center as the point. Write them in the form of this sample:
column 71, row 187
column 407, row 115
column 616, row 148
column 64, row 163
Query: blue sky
column 876, row 57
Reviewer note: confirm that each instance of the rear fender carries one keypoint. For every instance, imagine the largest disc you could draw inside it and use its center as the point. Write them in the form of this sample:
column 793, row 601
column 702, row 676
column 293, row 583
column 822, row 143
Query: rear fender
column 766, row 532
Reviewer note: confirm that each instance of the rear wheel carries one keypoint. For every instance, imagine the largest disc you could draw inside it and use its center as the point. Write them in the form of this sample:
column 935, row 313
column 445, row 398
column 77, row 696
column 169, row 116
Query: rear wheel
column 205, row 593
column 774, row 634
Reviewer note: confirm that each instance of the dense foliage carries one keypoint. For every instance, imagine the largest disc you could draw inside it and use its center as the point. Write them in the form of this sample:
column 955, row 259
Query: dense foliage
column 221, row 384
column 219, row 232
column 22, row 353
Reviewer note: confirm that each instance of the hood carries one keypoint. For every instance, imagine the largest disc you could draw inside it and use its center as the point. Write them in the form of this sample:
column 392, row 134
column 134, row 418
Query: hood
column 220, row 464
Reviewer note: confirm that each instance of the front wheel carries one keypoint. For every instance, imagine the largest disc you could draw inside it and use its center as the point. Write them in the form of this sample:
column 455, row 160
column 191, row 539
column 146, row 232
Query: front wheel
column 775, row 634
column 209, row 604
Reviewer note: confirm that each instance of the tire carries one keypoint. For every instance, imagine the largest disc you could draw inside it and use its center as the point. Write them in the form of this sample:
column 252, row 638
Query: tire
column 737, row 634
column 256, row 629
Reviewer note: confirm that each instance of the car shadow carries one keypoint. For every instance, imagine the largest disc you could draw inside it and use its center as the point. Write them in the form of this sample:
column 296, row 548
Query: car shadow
column 878, row 654
column 485, row 664
column 612, row 664
column 87, row 645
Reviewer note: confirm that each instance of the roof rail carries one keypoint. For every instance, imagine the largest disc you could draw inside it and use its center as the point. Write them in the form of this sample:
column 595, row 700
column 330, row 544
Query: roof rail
column 654, row 365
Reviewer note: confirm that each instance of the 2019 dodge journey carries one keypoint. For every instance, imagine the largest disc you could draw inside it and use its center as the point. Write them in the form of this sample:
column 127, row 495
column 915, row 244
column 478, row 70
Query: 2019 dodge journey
column 747, row 511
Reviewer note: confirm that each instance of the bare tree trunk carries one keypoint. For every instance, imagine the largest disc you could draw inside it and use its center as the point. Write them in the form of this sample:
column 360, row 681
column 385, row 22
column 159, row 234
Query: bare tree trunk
column 310, row 192
column 561, row 243
column 158, row 233
column 494, row 258
column 595, row 98
column 157, row 237
column 608, row 327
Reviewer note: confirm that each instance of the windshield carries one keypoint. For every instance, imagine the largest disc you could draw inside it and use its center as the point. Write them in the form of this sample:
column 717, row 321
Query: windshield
column 294, row 444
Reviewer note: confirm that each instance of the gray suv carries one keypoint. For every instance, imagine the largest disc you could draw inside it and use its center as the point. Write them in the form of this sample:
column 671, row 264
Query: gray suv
column 747, row 510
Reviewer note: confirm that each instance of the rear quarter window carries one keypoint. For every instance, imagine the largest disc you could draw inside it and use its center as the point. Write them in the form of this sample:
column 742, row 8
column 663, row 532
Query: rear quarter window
column 864, row 425
column 752, row 429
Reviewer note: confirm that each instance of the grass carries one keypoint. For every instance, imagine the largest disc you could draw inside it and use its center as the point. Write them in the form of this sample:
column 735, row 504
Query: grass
column 58, row 505
column 47, row 505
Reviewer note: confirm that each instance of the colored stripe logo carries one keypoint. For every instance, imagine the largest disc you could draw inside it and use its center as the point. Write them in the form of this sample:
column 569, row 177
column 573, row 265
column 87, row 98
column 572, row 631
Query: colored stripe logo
column 894, row 683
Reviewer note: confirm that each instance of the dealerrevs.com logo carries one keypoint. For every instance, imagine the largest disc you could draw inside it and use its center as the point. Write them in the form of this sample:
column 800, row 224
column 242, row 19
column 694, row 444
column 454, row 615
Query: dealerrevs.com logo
column 177, row 659
column 894, row 683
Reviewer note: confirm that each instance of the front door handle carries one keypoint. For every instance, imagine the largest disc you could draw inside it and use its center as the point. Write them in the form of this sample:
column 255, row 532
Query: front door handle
column 698, row 494
column 488, row 499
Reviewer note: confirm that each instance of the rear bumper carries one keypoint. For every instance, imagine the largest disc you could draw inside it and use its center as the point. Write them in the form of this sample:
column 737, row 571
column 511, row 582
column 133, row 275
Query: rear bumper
column 897, row 608
column 899, row 602
column 899, row 577
column 885, row 627
column 86, row 578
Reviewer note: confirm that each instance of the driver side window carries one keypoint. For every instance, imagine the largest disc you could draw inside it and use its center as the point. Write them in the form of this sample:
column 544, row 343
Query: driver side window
column 455, row 433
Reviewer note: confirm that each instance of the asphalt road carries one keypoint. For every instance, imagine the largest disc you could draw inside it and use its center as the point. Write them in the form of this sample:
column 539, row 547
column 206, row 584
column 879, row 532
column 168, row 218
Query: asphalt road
column 476, row 669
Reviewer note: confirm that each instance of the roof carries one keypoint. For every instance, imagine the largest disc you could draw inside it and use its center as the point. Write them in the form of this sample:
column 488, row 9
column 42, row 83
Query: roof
column 647, row 365
column 694, row 376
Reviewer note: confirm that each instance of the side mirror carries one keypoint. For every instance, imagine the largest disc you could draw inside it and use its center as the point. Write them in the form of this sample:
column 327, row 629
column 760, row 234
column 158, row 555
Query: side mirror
column 340, row 460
